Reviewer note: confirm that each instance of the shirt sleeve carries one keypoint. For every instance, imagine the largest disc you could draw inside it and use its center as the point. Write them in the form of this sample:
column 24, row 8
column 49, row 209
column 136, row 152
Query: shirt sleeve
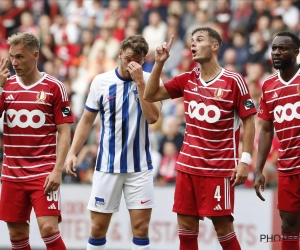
column 176, row 85
column 92, row 103
column 263, row 111
column 245, row 104
column 61, row 105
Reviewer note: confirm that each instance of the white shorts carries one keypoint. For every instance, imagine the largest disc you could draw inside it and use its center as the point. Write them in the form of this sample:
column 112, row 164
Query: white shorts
column 107, row 190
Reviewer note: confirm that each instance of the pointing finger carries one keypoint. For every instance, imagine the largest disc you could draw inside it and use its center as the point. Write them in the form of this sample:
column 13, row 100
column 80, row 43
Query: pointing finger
column 170, row 43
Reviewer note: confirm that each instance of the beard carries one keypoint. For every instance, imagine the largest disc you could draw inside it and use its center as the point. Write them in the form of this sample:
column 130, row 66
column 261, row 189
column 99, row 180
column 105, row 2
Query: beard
column 283, row 64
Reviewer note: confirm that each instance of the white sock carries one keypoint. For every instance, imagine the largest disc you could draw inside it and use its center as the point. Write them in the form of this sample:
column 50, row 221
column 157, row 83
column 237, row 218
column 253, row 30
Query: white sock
column 139, row 247
column 92, row 247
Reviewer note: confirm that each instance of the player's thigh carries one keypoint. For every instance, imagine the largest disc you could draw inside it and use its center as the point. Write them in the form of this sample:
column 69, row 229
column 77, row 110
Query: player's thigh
column 106, row 192
column 289, row 193
column 215, row 196
column 15, row 204
column 45, row 204
column 185, row 202
column 138, row 190
column 18, row 230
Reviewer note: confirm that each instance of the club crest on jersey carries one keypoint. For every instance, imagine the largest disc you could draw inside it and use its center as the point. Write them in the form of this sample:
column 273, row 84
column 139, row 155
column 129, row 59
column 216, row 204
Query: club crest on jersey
column 218, row 93
column 136, row 95
column 41, row 96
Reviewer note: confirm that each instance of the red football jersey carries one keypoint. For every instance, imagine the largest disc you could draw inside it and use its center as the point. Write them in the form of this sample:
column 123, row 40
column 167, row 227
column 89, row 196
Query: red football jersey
column 280, row 103
column 212, row 111
column 31, row 114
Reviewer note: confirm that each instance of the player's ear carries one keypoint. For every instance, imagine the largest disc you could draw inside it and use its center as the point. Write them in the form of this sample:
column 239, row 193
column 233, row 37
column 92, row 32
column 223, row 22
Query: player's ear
column 215, row 47
column 120, row 53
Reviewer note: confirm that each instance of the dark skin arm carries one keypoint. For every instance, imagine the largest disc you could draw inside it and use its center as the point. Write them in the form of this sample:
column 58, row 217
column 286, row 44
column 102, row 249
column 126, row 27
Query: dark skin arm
column 264, row 145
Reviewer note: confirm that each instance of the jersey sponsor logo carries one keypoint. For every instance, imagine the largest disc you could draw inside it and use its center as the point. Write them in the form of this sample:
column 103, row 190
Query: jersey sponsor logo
column 41, row 96
column 218, row 93
column 99, row 201
column 248, row 104
column 201, row 112
column 24, row 118
column 287, row 112
column 66, row 111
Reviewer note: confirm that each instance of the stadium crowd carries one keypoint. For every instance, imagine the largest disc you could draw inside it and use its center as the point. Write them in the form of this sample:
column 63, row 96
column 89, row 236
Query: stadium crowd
column 80, row 39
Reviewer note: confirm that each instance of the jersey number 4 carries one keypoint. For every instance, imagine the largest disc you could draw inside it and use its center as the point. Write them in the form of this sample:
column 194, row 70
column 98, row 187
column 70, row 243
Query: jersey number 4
column 218, row 193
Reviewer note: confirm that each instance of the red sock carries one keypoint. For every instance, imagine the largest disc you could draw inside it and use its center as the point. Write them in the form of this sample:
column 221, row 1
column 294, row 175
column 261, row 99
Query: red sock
column 229, row 242
column 290, row 241
column 188, row 239
column 20, row 244
column 54, row 242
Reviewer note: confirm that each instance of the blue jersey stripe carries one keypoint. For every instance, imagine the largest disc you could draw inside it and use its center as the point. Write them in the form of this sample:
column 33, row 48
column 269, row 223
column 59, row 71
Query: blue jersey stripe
column 125, row 124
column 100, row 153
column 112, row 121
column 147, row 147
column 136, row 142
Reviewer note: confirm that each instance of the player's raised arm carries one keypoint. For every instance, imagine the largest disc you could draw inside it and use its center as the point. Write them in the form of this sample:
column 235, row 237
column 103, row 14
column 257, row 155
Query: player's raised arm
column 154, row 92
column 264, row 146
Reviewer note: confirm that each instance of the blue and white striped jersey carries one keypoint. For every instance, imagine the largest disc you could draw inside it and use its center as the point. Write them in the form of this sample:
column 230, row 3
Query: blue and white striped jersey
column 124, row 145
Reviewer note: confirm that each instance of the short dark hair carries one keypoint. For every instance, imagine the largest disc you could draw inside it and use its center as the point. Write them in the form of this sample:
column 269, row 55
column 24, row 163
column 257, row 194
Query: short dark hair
column 137, row 43
column 295, row 39
column 211, row 32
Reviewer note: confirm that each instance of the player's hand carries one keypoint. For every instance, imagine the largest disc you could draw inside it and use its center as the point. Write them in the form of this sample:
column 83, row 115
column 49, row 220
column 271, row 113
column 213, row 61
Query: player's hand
column 52, row 182
column 240, row 174
column 136, row 71
column 70, row 165
column 162, row 52
column 4, row 71
column 259, row 184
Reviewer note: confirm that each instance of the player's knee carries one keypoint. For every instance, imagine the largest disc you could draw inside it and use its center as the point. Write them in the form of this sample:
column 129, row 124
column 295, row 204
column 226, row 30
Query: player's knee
column 98, row 231
column 48, row 229
column 140, row 228
column 223, row 228
column 18, row 232
column 289, row 225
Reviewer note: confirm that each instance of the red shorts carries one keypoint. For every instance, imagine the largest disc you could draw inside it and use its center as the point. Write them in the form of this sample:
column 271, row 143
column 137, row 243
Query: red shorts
column 203, row 196
column 18, row 198
column 289, row 193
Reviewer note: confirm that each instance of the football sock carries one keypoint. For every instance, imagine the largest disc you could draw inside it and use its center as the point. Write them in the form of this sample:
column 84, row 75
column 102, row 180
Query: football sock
column 96, row 244
column 20, row 244
column 188, row 239
column 290, row 241
column 229, row 242
column 54, row 242
column 140, row 244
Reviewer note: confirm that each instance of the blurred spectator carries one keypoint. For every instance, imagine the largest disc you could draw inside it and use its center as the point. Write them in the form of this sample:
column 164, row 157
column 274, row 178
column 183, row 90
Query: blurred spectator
column 223, row 14
column 289, row 13
column 189, row 16
column 155, row 31
column 257, row 49
column 171, row 133
column 167, row 172
column 27, row 24
column 259, row 9
column 175, row 57
column 241, row 15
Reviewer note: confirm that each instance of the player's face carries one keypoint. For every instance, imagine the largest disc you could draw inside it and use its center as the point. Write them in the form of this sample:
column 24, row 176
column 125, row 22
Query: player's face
column 127, row 56
column 201, row 47
column 23, row 59
column 283, row 52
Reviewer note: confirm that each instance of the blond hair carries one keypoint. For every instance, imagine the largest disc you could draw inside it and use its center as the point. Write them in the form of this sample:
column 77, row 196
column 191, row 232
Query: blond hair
column 25, row 38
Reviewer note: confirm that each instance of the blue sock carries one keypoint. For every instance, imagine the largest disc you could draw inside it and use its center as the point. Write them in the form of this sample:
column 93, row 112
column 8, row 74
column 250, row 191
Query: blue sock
column 141, row 241
column 97, row 242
